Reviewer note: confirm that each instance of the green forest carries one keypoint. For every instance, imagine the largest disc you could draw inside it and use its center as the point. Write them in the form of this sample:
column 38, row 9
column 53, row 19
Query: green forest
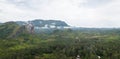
column 16, row 43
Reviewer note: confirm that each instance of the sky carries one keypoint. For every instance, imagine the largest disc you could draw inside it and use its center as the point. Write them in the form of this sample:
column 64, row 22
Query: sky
column 80, row 13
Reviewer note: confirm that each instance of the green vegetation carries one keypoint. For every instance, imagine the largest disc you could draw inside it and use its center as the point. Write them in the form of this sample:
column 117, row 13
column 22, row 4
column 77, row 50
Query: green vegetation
column 61, row 44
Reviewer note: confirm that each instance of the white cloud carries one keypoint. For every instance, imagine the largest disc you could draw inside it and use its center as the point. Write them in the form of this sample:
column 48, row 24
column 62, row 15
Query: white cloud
column 84, row 13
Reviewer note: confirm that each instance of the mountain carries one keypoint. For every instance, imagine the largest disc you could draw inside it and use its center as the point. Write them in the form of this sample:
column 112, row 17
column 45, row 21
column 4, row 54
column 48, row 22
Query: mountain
column 43, row 23
column 11, row 29
column 19, row 28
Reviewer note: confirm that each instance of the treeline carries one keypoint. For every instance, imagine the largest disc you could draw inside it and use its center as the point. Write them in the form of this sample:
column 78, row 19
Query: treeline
column 62, row 44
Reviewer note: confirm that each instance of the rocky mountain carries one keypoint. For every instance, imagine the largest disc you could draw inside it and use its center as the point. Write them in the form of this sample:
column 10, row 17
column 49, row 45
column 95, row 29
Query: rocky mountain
column 44, row 23
column 14, row 29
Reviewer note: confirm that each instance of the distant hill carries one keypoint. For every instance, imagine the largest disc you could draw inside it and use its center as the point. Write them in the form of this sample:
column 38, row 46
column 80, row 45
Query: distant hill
column 19, row 28
column 11, row 29
column 43, row 23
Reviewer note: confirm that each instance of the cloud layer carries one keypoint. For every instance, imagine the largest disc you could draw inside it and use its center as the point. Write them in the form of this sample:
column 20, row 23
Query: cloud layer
column 83, row 13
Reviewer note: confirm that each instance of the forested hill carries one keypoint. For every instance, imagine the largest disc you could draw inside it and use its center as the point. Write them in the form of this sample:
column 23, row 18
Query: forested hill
column 15, row 29
column 11, row 29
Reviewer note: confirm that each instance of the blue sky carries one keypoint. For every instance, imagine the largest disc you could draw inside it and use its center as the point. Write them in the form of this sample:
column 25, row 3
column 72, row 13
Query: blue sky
column 82, row 13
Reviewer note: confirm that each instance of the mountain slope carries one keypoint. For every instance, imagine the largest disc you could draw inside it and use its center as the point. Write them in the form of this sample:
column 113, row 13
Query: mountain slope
column 10, row 30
